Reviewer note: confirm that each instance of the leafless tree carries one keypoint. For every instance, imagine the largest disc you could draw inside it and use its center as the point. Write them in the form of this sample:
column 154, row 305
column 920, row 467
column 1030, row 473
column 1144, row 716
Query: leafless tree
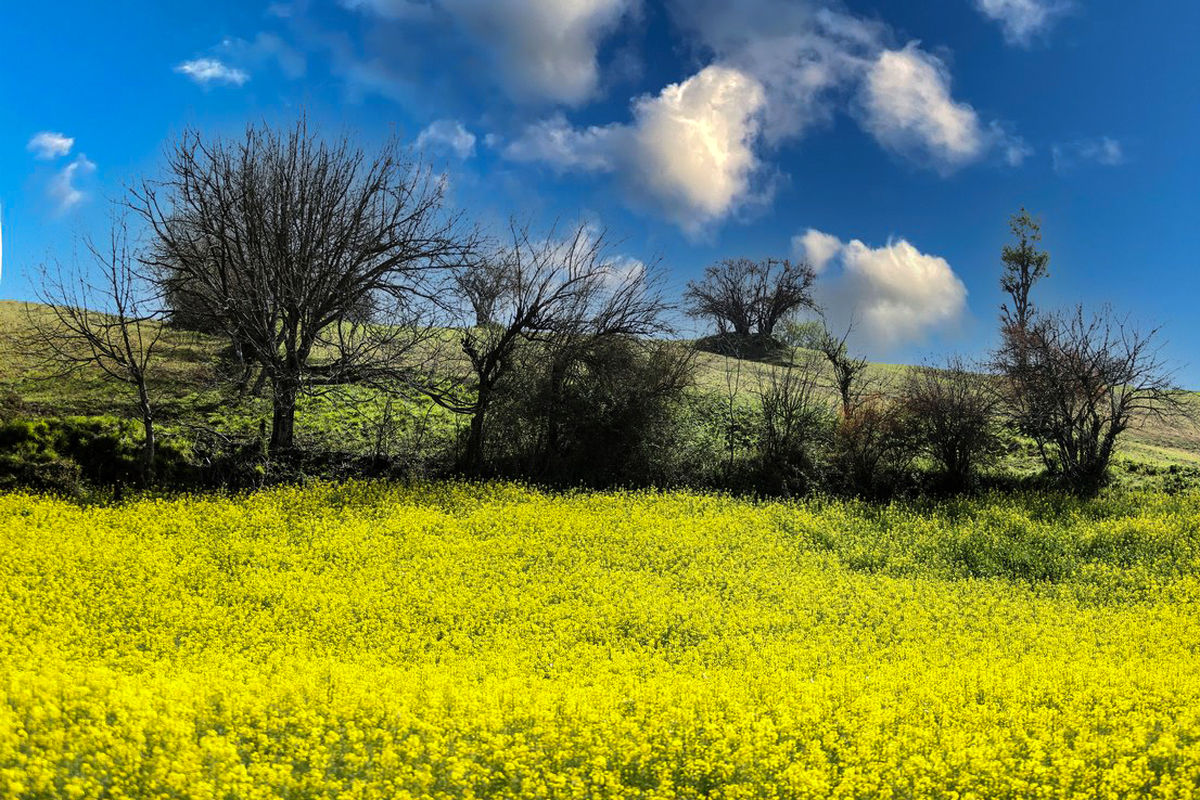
column 849, row 373
column 318, row 258
column 558, row 292
column 796, row 421
column 1076, row 382
column 483, row 283
column 107, row 317
column 745, row 297
column 952, row 413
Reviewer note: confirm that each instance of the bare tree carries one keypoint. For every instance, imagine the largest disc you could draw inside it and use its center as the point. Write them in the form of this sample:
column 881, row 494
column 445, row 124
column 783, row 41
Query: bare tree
column 482, row 282
column 1077, row 382
column 107, row 317
column 746, row 297
column 952, row 412
column 316, row 257
column 796, row 421
column 558, row 292
column 1024, row 265
column 849, row 373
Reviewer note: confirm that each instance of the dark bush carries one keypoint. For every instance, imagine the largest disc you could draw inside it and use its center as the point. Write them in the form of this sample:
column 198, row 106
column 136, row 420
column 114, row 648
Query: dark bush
column 599, row 413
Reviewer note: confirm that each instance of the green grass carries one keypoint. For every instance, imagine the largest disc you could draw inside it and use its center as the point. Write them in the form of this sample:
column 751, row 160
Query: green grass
column 189, row 397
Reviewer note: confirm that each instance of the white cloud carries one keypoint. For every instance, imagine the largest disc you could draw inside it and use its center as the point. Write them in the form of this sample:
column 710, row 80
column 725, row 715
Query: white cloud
column 1023, row 20
column 692, row 145
column 1104, row 150
column 553, row 141
column 1014, row 148
column 894, row 294
column 813, row 60
column 64, row 188
column 446, row 134
column 816, row 248
column 48, row 145
column 805, row 56
column 544, row 50
column 209, row 70
column 688, row 153
column 909, row 110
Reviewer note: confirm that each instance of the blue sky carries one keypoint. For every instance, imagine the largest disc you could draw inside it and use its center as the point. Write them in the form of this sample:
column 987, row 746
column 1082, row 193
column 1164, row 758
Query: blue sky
column 886, row 141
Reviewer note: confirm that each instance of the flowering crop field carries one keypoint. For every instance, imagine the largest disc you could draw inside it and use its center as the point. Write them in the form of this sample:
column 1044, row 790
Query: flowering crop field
column 451, row 640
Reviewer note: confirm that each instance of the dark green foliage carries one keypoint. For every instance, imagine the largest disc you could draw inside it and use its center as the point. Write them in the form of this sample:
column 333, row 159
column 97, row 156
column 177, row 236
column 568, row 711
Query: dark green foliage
column 598, row 413
column 748, row 347
column 64, row 455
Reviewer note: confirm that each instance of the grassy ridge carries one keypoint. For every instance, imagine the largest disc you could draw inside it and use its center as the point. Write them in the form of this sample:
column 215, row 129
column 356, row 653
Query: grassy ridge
column 190, row 397
column 489, row 641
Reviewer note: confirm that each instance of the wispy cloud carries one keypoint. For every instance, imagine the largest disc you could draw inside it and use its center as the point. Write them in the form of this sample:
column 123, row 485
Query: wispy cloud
column 1023, row 20
column 1103, row 150
column 205, row 71
column 447, row 134
column 542, row 50
column 64, row 187
column 48, row 145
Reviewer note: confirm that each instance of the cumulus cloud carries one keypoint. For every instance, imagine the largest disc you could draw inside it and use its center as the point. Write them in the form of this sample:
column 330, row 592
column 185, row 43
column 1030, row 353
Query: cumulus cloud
column 546, row 49
column 693, row 144
column 64, row 187
column 804, row 55
column 688, row 153
column 814, row 60
column 447, row 135
column 908, row 109
column 816, row 248
column 1022, row 20
column 895, row 294
column 556, row 143
column 205, row 71
column 1104, row 150
column 48, row 145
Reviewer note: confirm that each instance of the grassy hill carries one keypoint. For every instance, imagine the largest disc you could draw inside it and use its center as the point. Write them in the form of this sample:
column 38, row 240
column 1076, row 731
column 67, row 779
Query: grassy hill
column 191, row 398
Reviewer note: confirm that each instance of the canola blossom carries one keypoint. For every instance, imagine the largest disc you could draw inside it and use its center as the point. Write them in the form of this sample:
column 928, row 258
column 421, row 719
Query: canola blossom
column 476, row 641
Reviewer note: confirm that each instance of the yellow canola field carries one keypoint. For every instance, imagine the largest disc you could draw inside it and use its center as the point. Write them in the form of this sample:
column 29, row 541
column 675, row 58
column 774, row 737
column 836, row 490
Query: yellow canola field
column 452, row 640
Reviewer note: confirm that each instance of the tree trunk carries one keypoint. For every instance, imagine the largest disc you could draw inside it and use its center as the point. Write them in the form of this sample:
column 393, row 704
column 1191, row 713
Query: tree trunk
column 149, row 447
column 473, row 458
column 283, row 415
column 149, row 440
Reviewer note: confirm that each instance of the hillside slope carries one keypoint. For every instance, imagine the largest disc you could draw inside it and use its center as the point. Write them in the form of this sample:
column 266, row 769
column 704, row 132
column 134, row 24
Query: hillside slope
column 188, row 394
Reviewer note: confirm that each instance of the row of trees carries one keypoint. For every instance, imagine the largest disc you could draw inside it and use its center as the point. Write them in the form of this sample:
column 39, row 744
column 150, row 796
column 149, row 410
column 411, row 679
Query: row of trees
column 324, row 267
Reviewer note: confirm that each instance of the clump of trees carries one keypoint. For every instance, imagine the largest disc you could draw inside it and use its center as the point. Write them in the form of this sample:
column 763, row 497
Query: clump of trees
column 747, row 300
column 328, row 269
column 558, row 321
column 952, row 414
column 1074, row 381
